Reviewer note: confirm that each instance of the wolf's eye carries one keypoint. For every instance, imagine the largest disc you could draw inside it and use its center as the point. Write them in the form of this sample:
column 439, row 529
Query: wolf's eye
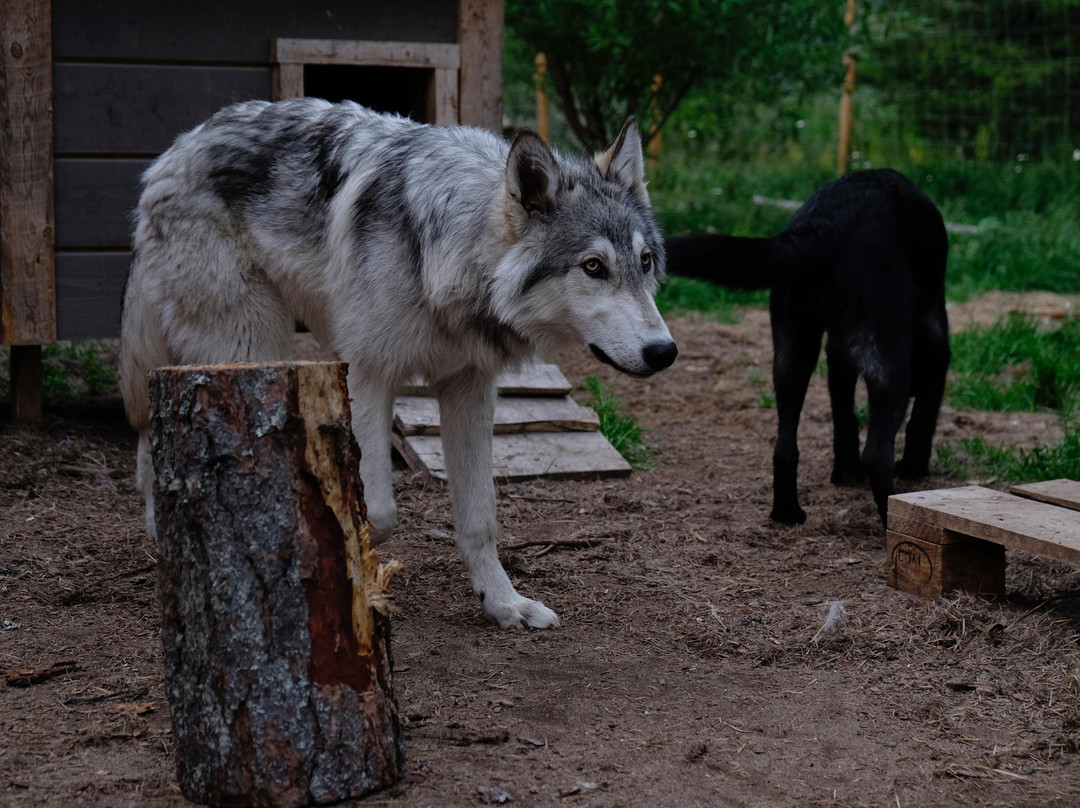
column 592, row 266
column 646, row 261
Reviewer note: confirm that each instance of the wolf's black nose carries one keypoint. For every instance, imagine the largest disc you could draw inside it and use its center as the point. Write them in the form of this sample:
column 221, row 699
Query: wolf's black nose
column 659, row 355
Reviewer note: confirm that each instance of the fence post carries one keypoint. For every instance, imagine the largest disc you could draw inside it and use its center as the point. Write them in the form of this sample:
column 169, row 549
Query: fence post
column 542, row 126
column 843, row 149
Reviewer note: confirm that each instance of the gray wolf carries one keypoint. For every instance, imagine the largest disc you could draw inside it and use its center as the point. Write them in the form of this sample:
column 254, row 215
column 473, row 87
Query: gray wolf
column 407, row 250
column 863, row 260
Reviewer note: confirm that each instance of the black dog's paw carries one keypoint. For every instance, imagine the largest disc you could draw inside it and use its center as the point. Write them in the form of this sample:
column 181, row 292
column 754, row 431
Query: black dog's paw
column 788, row 515
column 906, row 470
column 848, row 474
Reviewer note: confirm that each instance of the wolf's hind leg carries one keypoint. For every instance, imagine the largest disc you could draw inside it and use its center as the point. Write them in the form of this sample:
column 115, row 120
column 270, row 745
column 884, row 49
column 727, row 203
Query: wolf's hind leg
column 144, row 479
column 467, row 408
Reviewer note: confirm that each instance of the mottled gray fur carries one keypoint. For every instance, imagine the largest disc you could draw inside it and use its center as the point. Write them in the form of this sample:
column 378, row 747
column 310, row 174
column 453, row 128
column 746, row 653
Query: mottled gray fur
column 407, row 250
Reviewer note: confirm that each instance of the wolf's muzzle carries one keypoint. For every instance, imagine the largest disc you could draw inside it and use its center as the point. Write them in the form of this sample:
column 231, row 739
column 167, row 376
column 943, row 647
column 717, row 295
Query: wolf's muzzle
column 657, row 356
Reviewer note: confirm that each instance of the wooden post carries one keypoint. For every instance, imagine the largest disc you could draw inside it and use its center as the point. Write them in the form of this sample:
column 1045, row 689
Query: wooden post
column 26, row 377
column 27, row 237
column 847, row 118
column 480, row 35
column 655, row 145
column 277, row 656
column 543, row 126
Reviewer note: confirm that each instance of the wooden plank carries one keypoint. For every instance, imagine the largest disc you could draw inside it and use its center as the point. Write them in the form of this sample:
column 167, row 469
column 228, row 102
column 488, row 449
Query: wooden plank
column 983, row 513
column 930, row 570
column 443, row 96
column 287, row 81
column 558, row 455
column 233, row 32
column 140, row 109
column 27, row 287
column 1065, row 493
column 365, row 52
column 89, row 290
column 419, row 415
column 533, row 379
column 480, row 88
column 921, row 530
column 26, row 383
column 94, row 201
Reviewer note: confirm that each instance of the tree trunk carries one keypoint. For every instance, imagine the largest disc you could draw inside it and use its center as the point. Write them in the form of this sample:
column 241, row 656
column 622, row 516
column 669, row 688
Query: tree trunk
column 277, row 649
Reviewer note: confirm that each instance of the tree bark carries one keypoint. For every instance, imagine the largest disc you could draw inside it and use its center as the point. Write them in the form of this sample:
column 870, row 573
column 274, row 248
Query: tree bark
column 277, row 647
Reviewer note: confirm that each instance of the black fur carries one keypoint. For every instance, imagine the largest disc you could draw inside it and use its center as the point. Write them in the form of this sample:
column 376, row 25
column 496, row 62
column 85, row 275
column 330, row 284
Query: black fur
column 863, row 260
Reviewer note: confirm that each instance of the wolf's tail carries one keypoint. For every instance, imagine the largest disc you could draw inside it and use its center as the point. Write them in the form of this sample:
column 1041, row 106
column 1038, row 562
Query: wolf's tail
column 142, row 347
column 738, row 262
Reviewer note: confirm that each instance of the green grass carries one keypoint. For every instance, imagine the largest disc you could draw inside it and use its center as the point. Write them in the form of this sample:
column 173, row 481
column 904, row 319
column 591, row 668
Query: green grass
column 1017, row 365
column 679, row 296
column 616, row 424
column 70, row 370
column 974, row 457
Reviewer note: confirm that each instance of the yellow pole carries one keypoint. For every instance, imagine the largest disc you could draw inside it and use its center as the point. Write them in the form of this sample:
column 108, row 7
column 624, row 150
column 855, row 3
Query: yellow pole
column 542, row 127
column 656, row 145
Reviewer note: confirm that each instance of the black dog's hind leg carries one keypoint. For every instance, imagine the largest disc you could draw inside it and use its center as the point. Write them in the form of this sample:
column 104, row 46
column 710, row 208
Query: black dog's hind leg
column 888, row 400
column 794, row 358
column 928, row 384
column 843, row 375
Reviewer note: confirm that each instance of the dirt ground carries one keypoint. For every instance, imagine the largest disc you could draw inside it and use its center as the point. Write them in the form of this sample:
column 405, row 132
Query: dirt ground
column 691, row 668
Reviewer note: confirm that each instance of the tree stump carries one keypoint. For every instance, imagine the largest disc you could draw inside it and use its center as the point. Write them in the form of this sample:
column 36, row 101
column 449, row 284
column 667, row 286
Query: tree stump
column 276, row 643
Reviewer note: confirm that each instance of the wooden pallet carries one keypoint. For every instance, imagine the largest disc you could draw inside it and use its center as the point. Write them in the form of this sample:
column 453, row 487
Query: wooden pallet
column 955, row 538
column 539, row 431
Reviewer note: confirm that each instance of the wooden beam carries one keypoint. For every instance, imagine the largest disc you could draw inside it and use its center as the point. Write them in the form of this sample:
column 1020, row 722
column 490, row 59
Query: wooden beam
column 931, row 570
column 365, row 52
column 288, row 81
column 26, row 375
column 27, row 235
column 443, row 96
column 480, row 35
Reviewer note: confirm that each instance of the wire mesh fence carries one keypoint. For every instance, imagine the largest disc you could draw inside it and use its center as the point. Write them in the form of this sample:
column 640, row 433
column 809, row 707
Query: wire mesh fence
column 969, row 79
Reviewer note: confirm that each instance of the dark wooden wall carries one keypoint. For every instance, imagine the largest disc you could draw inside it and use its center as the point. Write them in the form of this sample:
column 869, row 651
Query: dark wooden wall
column 130, row 75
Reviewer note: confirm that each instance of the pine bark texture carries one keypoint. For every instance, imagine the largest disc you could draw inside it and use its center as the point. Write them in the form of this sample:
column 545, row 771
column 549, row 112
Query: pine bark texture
column 277, row 658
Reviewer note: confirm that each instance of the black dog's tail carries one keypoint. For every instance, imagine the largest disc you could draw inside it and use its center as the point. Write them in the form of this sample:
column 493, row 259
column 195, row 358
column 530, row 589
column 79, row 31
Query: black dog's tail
column 739, row 262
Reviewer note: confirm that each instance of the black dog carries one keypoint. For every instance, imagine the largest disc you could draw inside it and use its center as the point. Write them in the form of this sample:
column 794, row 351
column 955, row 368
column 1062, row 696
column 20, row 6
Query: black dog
column 863, row 260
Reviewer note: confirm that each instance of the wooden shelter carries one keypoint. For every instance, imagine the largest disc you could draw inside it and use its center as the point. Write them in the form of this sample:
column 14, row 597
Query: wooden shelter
column 91, row 92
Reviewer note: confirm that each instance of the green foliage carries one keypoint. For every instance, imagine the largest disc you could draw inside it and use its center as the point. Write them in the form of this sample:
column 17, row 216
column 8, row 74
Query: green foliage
column 764, row 396
column 992, row 78
column 1016, row 365
column 681, row 295
column 603, row 55
column 74, row 368
column 974, row 457
column 617, row 426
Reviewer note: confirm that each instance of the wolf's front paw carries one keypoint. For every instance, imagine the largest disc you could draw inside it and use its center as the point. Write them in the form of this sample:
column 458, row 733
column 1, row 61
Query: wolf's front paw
column 519, row 611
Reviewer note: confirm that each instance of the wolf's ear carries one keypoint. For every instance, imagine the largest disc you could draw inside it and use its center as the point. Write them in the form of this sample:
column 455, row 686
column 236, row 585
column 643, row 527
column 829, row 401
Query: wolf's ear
column 622, row 162
column 532, row 178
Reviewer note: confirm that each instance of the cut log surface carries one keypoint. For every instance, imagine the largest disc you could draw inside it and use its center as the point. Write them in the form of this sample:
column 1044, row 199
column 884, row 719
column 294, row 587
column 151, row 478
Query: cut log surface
column 419, row 415
column 278, row 668
column 1015, row 522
